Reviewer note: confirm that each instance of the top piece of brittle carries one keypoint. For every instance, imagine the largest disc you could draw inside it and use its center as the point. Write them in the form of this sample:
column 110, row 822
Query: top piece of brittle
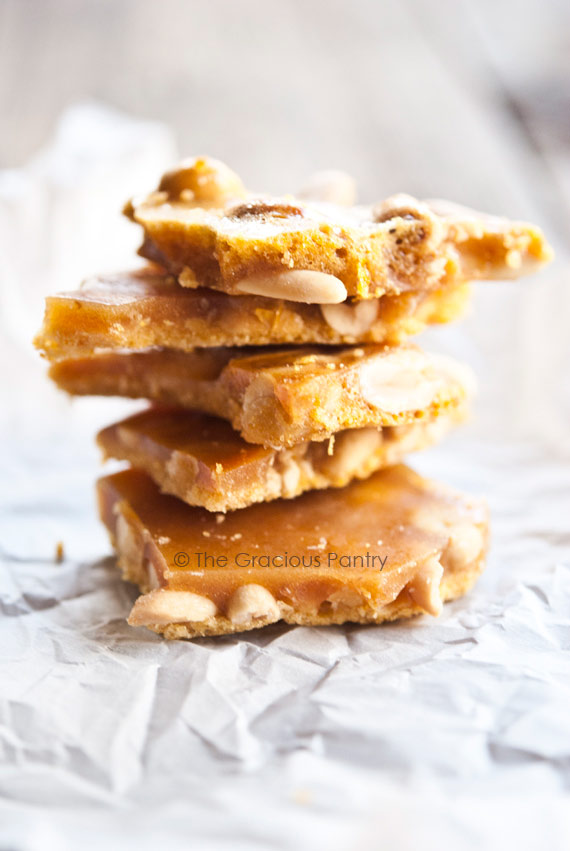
column 203, row 226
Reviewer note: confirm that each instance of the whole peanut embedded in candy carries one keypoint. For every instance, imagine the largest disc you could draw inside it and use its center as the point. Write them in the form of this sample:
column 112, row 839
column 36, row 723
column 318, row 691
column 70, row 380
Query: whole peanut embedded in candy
column 401, row 206
column 466, row 544
column 202, row 180
column 164, row 606
column 425, row 587
column 296, row 285
column 351, row 319
column 252, row 602
column 256, row 208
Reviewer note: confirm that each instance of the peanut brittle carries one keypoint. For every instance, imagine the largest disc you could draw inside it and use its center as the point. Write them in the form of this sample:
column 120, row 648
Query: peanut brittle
column 394, row 545
column 203, row 461
column 281, row 397
column 143, row 308
column 204, row 227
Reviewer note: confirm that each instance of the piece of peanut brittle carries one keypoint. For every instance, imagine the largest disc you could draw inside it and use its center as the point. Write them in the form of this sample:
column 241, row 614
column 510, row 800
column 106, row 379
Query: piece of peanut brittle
column 204, row 227
column 281, row 397
column 391, row 546
column 203, row 461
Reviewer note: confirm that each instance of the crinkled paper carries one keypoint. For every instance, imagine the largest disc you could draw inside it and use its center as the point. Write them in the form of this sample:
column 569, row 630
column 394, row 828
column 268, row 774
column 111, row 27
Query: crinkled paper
column 435, row 733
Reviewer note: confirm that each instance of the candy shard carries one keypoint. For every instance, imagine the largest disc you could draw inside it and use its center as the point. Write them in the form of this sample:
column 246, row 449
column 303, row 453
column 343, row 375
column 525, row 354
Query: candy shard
column 398, row 245
column 203, row 461
column 146, row 307
column 353, row 554
column 280, row 398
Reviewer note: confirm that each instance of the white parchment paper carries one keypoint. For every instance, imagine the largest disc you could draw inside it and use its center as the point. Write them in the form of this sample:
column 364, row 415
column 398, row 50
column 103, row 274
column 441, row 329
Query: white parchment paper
column 436, row 733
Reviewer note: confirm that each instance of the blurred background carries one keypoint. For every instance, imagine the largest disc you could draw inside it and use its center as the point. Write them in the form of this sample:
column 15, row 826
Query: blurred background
column 462, row 98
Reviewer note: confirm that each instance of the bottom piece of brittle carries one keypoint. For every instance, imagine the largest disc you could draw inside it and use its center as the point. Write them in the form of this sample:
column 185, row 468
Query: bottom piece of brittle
column 391, row 546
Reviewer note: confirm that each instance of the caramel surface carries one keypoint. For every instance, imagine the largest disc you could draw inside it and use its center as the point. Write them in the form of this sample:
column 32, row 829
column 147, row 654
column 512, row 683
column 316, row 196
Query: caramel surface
column 203, row 461
column 280, row 398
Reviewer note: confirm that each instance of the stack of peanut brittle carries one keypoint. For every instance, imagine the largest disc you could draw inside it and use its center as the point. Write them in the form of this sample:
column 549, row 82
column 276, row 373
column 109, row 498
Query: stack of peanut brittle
column 271, row 337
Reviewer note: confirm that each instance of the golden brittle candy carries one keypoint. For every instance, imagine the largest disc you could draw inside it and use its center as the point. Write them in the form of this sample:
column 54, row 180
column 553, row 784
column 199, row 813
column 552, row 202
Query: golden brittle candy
column 202, row 460
column 391, row 546
column 310, row 251
column 281, row 397
column 143, row 308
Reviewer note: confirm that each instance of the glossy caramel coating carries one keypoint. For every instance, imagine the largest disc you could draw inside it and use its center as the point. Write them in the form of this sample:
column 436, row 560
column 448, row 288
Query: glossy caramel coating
column 392, row 545
column 144, row 308
column 203, row 461
column 395, row 246
column 281, row 397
